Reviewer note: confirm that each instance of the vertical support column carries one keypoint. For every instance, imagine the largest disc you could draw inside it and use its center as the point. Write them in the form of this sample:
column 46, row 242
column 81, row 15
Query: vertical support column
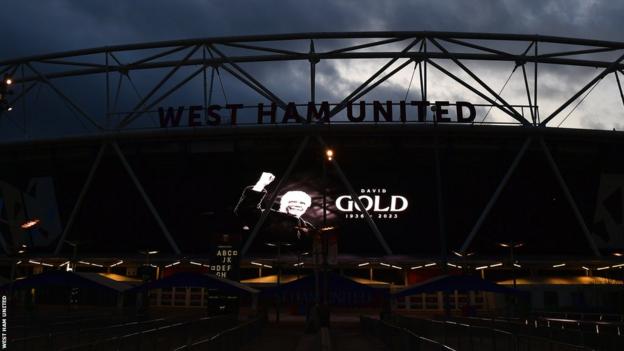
column 313, row 62
column 535, row 84
column 107, row 119
column 24, row 104
column 425, row 70
column 528, row 91
column 254, row 302
column 441, row 220
column 205, row 83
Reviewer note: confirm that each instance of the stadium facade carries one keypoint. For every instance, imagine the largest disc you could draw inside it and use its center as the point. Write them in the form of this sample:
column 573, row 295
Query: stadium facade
column 136, row 156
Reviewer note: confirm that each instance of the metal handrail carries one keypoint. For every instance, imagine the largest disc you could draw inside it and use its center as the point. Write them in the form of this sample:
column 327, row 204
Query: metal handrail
column 161, row 328
column 140, row 332
column 254, row 324
column 366, row 321
column 52, row 334
column 515, row 338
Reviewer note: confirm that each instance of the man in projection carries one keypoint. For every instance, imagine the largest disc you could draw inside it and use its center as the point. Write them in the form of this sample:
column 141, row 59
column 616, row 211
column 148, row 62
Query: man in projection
column 284, row 225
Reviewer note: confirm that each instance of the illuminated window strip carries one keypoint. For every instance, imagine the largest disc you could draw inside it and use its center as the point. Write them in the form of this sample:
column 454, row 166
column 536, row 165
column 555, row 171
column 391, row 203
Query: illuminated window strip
column 172, row 264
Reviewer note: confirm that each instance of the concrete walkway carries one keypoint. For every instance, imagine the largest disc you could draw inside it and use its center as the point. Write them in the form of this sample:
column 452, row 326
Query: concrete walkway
column 289, row 335
column 348, row 337
column 282, row 336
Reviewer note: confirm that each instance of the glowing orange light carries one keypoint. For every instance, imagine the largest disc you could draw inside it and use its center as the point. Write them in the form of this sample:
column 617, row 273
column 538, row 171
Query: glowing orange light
column 329, row 153
column 30, row 224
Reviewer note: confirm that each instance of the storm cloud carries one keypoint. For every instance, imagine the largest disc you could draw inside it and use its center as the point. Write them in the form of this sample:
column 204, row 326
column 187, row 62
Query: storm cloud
column 38, row 27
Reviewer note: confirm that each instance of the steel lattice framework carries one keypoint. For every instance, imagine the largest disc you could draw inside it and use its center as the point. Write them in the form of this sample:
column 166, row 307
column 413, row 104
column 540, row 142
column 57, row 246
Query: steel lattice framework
column 426, row 50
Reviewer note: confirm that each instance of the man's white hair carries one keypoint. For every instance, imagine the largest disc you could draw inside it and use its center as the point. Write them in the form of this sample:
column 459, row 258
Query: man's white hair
column 294, row 195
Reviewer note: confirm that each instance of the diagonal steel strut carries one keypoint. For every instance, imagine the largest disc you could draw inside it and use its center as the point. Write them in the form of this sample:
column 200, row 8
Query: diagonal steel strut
column 129, row 117
column 271, row 200
column 495, row 196
column 67, row 99
column 471, row 88
column 147, row 200
column 356, row 199
column 570, row 198
column 83, row 192
column 349, row 97
column 515, row 113
column 614, row 65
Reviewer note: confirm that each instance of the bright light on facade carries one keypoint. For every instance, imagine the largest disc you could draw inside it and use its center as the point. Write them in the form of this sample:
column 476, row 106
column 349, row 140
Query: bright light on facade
column 29, row 224
column 329, row 153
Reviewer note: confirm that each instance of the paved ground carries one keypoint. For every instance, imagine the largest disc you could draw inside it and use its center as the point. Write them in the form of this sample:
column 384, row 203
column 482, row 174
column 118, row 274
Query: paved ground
column 289, row 335
column 283, row 336
column 348, row 337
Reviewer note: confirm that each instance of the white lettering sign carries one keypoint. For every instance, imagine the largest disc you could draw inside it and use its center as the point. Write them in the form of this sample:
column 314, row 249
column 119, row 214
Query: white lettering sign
column 380, row 205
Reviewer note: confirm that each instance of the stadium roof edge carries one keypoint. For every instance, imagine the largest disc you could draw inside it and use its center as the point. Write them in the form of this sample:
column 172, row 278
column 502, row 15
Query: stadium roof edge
column 321, row 35
column 299, row 130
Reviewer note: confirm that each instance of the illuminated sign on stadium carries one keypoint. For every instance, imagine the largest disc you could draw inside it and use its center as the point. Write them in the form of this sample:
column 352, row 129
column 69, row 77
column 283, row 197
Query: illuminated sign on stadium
column 377, row 202
column 382, row 111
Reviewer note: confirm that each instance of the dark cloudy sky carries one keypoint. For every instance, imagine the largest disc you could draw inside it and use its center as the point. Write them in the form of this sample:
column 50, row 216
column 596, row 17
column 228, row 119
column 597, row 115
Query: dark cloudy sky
column 36, row 27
